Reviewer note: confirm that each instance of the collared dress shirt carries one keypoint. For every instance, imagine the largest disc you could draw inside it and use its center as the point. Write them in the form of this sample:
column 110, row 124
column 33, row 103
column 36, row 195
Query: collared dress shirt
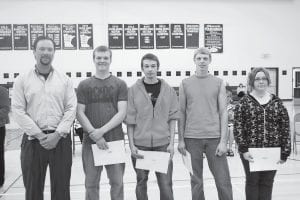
column 40, row 104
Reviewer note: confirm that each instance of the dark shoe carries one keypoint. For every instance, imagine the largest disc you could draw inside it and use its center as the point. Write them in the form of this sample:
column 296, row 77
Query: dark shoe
column 230, row 153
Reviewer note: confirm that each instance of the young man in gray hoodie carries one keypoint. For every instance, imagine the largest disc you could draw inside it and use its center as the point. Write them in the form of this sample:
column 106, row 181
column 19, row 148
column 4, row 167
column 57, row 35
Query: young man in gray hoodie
column 151, row 117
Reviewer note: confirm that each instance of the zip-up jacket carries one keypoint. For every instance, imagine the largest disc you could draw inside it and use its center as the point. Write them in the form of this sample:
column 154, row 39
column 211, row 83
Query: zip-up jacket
column 151, row 123
column 256, row 126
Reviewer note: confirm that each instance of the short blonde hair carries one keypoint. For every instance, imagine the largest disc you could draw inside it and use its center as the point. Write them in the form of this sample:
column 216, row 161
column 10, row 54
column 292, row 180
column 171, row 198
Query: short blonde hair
column 202, row 50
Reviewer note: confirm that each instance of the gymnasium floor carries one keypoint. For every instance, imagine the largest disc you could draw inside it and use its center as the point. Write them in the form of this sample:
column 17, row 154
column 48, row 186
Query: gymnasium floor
column 286, row 185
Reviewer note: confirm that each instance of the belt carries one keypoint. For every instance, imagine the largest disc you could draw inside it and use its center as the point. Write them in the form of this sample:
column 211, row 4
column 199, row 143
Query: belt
column 48, row 131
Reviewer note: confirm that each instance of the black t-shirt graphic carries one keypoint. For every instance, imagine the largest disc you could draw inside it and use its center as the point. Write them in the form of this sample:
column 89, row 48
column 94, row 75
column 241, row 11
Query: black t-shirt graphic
column 153, row 91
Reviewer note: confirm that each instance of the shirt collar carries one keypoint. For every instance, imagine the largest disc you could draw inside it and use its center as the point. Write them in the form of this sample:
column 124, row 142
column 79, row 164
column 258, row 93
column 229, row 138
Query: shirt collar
column 38, row 73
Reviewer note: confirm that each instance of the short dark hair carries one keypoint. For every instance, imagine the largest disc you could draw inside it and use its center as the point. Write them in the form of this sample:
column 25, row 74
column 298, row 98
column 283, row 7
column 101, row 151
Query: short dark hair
column 102, row 49
column 150, row 56
column 251, row 77
column 202, row 50
column 36, row 41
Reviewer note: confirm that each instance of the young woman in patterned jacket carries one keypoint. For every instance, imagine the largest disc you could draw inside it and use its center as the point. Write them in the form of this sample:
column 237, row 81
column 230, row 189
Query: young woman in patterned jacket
column 260, row 120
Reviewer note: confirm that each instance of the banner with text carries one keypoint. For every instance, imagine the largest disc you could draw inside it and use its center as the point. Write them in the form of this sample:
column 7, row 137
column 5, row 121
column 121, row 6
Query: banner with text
column 85, row 34
column 36, row 30
column 115, row 36
column 20, row 33
column 131, row 36
column 192, row 36
column 213, row 37
column 146, row 36
column 162, row 33
column 177, row 36
column 69, row 36
column 53, row 31
column 5, row 37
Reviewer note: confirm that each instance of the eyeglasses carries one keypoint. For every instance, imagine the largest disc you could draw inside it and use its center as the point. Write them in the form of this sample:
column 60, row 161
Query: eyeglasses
column 261, row 79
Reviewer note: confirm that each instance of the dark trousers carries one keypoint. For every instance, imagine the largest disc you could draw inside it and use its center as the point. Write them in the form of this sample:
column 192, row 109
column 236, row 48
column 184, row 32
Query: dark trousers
column 164, row 181
column 259, row 185
column 2, row 161
column 34, row 162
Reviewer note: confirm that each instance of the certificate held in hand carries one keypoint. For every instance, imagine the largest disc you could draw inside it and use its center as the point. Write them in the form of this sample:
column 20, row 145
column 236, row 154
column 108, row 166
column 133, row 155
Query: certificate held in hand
column 113, row 155
column 265, row 159
column 154, row 160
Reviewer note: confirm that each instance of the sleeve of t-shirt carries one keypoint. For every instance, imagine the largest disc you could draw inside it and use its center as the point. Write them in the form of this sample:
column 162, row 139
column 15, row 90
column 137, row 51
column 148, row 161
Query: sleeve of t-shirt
column 123, row 92
column 81, row 94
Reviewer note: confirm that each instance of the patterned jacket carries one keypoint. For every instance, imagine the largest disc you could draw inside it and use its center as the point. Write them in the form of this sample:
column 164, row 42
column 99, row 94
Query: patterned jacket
column 258, row 126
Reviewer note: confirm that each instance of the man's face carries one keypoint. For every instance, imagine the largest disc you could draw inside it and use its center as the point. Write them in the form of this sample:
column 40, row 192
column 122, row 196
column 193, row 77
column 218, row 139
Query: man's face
column 150, row 68
column 44, row 52
column 202, row 61
column 102, row 61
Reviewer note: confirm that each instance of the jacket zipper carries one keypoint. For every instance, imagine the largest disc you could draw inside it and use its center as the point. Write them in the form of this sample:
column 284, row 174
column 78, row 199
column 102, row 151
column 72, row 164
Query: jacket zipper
column 264, row 127
column 152, row 121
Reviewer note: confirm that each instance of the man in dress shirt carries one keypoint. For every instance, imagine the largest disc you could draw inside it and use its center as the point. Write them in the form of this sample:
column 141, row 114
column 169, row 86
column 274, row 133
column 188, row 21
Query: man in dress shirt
column 44, row 105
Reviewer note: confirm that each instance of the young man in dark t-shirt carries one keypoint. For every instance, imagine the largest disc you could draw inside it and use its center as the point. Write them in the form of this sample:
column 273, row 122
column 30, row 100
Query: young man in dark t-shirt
column 151, row 116
column 102, row 104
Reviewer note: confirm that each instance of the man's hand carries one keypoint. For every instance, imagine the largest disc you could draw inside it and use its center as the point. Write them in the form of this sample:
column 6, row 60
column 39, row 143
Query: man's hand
column 96, row 134
column 134, row 152
column 248, row 156
column 101, row 144
column 40, row 136
column 181, row 147
column 221, row 149
column 50, row 141
column 170, row 149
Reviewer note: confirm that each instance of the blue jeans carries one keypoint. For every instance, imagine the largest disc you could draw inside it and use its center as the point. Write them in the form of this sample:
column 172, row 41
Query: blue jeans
column 259, row 185
column 164, row 180
column 114, row 172
column 217, row 165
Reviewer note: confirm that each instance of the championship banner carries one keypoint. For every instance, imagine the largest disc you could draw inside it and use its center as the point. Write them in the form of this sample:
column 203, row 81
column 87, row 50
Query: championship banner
column 162, row 33
column 69, row 36
column 53, row 31
column 85, row 35
column 213, row 37
column 146, row 36
column 131, row 36
column 192, row 36
column 36, row 30
column 115, row 36
column 177, row 36
column 5, row 37
column 20, row 33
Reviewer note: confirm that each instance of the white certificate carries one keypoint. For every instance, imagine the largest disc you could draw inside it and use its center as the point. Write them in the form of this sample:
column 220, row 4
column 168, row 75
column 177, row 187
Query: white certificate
column 187, row 161
column 113, row 155
column 154, row 161
column 264, row 158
